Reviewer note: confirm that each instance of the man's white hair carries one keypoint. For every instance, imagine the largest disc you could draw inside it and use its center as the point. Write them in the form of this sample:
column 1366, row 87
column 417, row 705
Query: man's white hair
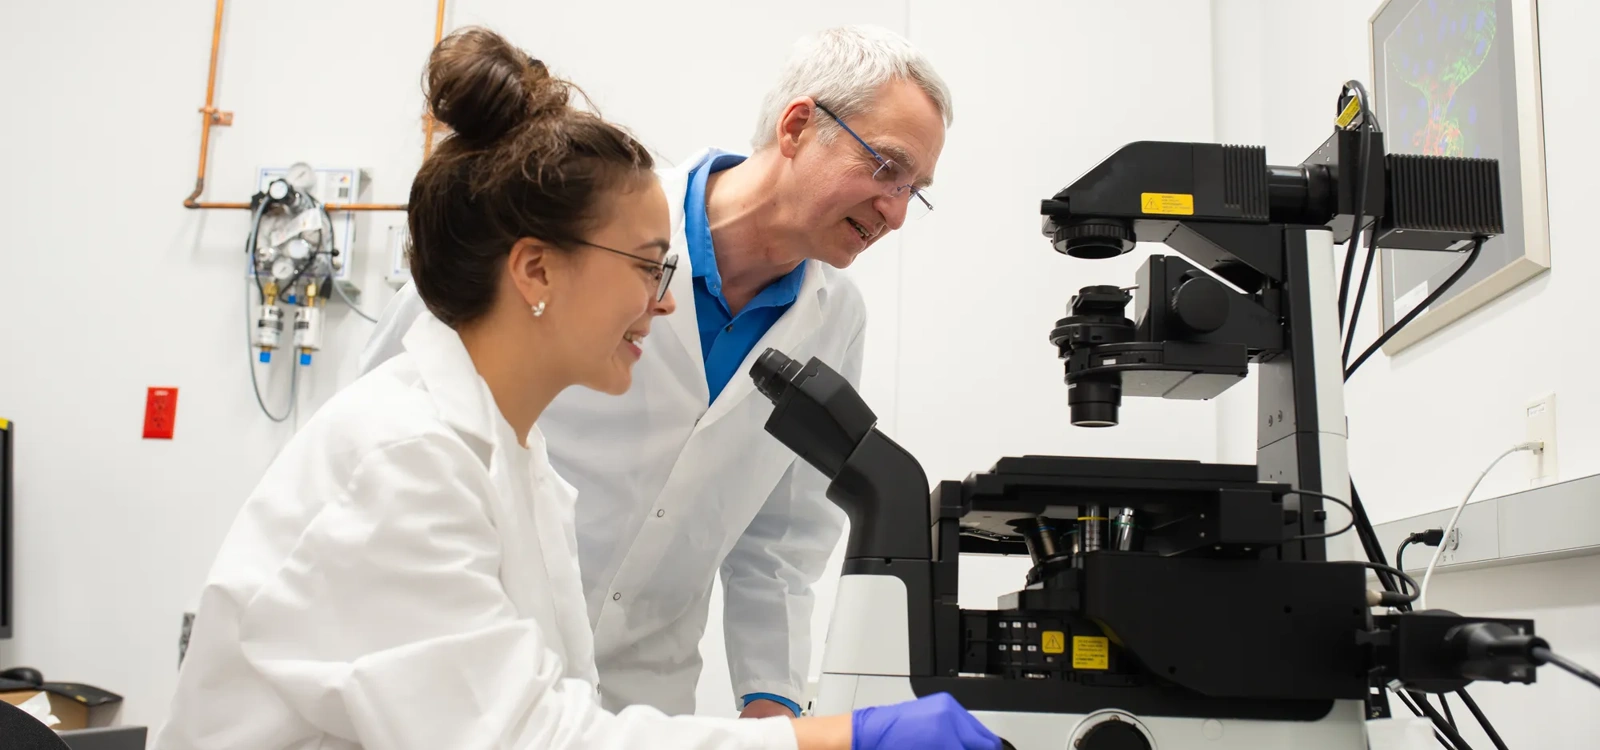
column 843, row 68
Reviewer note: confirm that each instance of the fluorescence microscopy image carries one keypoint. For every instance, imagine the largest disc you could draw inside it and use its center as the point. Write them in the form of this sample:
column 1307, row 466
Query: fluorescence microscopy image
column 1443, row 87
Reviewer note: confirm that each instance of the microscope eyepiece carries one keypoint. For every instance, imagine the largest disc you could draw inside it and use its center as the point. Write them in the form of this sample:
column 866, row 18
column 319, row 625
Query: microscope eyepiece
column 773, row 372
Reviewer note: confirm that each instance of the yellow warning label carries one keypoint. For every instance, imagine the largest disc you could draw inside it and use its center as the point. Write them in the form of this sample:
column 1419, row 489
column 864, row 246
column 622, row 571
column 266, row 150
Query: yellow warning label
column 1055, row 642
column 1349, row 114
column 4, row 424
column 1090, row 652
column 1175, row 204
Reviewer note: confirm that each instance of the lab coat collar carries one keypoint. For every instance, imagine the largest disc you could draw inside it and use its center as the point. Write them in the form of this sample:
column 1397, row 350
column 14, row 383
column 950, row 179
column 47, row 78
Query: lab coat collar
column 463, row 399
column 795, row 328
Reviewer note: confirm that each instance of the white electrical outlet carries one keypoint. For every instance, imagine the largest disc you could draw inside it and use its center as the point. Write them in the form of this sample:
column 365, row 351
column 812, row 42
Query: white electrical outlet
column 1541, row 426
column 1451, row 545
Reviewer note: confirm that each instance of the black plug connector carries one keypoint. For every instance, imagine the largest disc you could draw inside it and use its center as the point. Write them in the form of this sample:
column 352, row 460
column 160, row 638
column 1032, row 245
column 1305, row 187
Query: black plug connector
column 1495, row 651
column 1429, row 538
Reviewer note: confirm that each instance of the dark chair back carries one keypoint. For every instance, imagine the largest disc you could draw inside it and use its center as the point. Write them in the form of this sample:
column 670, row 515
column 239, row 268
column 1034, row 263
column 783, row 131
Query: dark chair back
column 19, row 731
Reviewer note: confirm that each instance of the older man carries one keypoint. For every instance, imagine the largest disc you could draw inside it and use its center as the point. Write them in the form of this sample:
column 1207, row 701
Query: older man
column 677, row 479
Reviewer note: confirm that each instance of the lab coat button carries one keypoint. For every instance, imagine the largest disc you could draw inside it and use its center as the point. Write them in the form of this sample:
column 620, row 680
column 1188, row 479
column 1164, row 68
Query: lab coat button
column 617, row 597
column 660, row 513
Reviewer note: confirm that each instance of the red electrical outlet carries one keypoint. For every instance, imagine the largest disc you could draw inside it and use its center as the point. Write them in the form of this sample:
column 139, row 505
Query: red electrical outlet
column 160, row 410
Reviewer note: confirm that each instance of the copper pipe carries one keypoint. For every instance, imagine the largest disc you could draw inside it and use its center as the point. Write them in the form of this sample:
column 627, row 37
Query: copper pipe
column 438, row 34
column 211, row 116
column 332, row 207
column 209, row 113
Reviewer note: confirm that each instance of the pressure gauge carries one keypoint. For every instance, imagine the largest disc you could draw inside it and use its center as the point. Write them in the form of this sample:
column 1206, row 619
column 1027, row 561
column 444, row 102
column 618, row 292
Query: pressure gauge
column 278, row 191
column 283, row 268
column 302, row 177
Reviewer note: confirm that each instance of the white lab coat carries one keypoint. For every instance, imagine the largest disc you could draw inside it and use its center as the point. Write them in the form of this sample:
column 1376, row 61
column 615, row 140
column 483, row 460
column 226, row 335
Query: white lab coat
column 404, row 576
column 675, row 490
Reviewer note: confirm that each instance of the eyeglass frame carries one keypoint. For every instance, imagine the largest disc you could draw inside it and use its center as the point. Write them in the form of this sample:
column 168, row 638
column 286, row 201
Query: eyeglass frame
column 668, row 265
column 882, row 162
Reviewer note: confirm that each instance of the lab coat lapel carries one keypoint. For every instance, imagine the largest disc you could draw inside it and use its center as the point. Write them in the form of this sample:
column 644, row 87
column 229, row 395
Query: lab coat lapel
column 453, row 383
column 527, row 496
column 683, row 324
column 789, row 335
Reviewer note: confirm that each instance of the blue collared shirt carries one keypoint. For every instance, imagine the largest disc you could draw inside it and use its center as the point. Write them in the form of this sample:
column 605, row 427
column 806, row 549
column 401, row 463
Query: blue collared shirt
column 726, row 339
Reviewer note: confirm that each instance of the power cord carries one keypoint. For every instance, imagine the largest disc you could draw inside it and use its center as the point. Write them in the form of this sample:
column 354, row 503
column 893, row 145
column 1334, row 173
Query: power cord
column 1429, row 538
column 1422, row 601
column 1543, row 655
column 1498, row 645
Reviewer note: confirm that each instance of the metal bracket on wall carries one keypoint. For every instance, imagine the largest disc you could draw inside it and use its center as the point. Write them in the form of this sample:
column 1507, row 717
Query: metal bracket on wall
column 1543, row 523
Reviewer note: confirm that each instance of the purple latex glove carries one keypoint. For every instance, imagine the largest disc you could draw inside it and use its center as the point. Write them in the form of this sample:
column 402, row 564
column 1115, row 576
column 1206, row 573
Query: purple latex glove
column 935, row 722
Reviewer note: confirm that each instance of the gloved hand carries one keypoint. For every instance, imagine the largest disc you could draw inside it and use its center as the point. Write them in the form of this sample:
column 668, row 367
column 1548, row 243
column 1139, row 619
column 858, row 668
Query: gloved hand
column 935, row 722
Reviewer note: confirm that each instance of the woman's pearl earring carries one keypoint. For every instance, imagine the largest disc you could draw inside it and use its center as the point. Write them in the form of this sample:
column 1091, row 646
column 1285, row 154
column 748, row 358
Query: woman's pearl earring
column 538, row 309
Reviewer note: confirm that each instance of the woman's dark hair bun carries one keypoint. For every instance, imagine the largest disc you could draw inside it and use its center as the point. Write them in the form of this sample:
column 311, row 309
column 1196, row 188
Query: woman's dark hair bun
column 483, row 88
column 521, row 163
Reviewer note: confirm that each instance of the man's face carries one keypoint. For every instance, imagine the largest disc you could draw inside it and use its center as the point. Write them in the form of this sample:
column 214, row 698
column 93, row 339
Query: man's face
column 842, row 208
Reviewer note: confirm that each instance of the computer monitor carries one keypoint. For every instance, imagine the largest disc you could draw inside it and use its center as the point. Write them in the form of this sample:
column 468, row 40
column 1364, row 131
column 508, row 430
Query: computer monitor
column 8, row 431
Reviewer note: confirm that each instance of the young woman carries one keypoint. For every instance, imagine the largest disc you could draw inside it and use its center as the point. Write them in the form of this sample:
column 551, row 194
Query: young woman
column 405, row 575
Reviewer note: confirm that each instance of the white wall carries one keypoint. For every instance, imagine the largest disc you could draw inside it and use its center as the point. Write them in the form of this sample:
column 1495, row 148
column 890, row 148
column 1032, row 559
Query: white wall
column 1407, row 453
column 108, row 286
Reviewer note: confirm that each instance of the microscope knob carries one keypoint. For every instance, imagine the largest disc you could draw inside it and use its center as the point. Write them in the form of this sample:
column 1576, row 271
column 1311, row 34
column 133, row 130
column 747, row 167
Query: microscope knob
column 1200, row 304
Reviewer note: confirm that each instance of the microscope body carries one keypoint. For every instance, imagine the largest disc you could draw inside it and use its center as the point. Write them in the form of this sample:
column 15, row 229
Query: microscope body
column 1172, row 605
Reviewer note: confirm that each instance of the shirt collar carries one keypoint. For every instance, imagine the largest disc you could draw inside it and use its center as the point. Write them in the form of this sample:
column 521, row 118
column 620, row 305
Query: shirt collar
column 697, row 226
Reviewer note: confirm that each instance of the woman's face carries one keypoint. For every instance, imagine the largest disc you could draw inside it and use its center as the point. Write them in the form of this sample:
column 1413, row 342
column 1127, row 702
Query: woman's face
column 611, row 296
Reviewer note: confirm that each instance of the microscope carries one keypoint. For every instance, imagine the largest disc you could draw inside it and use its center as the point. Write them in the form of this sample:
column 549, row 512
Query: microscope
column 1172, row 605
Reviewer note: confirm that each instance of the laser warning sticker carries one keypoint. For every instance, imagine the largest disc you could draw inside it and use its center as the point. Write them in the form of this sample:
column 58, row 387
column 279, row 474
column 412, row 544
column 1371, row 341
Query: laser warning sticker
column 1055, row 642
column 1091, row 652
column 1168, row 204
column 1349, row 114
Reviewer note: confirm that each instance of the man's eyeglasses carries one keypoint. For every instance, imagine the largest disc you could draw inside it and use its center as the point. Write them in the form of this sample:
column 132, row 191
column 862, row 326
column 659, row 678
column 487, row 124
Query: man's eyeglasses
column 889, row 173
column 663, row 268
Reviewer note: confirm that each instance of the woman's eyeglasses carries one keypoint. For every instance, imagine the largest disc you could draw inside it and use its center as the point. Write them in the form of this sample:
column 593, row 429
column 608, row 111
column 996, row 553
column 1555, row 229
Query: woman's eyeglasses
column 663, row 268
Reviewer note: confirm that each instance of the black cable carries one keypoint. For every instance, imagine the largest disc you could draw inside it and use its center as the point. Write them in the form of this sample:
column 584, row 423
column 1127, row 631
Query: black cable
column 1369, row 540
column 1416, row 590
column 1483, row 721
column 1444, row 703
column 1374, row 551
column 1361, row 177
column 1400, row 554
column 1406, row 699
column 1359, row 518
column 1361, row 294
column 1550, row 657
column 1440, row 724
column 250, row 247
column 1330, row 534
column 1472, row 257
